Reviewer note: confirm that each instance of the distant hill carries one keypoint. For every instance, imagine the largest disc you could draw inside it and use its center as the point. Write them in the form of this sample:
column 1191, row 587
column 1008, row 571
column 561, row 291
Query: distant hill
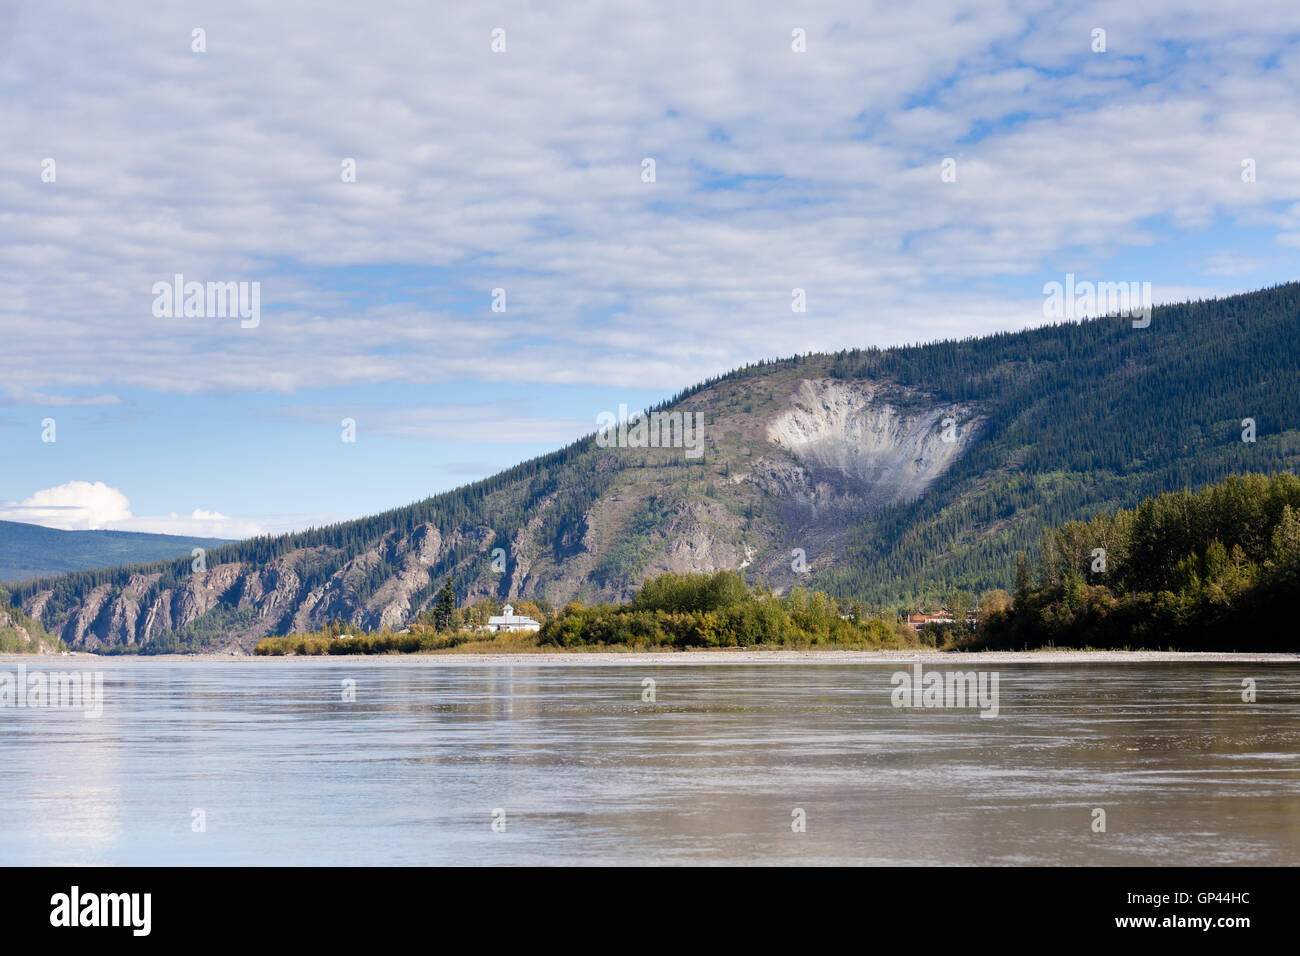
column 887, row 475
column 30, row 551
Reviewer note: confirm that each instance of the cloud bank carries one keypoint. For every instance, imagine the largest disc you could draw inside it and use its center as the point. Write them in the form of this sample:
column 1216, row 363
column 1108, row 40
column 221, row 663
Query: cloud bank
column 522, row 170
column 94, row 506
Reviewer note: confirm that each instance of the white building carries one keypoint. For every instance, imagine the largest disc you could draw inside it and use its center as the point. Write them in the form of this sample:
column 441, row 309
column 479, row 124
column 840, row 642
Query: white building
column 506, row 621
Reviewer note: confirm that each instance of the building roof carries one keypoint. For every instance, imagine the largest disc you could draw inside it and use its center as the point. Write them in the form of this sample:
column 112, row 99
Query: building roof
column 512, row 619
column 508, row 617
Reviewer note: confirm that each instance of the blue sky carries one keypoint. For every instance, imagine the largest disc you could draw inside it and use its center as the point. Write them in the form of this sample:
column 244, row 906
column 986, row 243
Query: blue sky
column 522, row 170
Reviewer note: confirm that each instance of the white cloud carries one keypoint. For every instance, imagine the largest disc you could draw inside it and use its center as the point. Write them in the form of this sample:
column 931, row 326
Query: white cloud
column 63, row 401
column 199, row 524
column 76, row 505
column 94, row 506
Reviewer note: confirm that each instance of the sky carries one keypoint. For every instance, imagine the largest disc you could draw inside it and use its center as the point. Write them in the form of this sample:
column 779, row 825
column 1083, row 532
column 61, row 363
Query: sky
column 375, row 171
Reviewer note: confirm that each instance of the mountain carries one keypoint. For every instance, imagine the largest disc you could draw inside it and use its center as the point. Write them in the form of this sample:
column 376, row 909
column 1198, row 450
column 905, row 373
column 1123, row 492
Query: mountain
column 31, row 551
column 882, row 474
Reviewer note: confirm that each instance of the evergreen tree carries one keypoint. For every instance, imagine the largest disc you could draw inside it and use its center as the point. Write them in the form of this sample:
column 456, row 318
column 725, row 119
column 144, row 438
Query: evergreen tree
column 1024, row 583
column 445, row 606
column 1286, row 540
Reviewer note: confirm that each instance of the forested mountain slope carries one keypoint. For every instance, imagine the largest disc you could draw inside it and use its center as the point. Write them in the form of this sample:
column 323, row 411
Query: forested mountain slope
column 888, row 475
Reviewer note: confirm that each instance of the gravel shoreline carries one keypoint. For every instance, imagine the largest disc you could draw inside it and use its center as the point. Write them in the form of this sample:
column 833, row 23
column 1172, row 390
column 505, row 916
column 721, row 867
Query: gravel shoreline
column 715, row 657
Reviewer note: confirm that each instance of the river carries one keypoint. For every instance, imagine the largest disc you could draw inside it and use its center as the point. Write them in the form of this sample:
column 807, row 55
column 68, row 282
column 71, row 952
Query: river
column 454, row 761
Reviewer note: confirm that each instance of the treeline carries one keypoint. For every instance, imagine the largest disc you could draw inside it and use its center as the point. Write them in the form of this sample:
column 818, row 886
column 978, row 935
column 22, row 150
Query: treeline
column 1213, row 569
column 441, row 627
column 720, row 610
column 669, row 611
column 338, row 638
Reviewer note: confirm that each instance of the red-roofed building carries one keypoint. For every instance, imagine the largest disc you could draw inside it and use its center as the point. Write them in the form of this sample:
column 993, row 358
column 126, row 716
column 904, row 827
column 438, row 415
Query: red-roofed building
column 941, row 616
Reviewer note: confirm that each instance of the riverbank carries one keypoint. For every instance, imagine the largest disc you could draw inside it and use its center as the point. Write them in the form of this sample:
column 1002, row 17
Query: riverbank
column 618, row 658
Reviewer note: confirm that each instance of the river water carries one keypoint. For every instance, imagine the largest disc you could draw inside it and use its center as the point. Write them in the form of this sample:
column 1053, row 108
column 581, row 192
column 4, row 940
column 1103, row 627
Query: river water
column 459, row 761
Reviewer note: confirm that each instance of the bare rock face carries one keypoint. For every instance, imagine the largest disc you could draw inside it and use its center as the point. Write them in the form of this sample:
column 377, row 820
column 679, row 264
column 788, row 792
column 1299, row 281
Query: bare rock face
column 272, row 592
column 157, row 620
column 426, row 545
column 125, row 609
column 77, row 632
column 524, row 546
column 841, row 451
column 393, row 603
column 35, row 606
column 886, row 454
column 699, row 537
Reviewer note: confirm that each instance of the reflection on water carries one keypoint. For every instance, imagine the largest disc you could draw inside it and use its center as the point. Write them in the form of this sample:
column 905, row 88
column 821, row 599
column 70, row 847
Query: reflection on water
column 410, row 772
